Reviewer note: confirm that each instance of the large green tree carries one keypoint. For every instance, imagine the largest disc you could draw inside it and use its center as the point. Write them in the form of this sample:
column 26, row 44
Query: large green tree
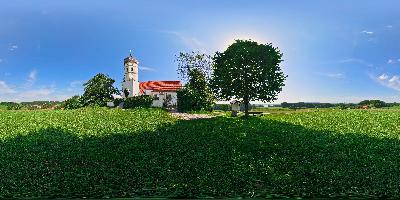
column 99, row 91
column 248, row 71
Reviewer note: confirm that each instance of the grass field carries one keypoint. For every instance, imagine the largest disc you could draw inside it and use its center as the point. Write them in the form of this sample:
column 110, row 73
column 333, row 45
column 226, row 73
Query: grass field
column 141, row 153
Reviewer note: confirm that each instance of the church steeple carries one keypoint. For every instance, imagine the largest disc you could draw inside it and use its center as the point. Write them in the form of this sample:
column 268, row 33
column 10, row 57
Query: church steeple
column 131, row 76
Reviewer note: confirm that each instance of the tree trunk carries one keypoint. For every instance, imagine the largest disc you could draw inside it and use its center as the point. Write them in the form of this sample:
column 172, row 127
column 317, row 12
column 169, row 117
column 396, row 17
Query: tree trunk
column 246, row 106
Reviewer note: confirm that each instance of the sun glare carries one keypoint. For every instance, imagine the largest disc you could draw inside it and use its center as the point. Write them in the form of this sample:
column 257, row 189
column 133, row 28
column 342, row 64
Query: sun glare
column 229, row 39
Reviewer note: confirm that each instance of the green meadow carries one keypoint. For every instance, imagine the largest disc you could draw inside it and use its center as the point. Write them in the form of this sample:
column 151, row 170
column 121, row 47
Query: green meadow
column 105, row 153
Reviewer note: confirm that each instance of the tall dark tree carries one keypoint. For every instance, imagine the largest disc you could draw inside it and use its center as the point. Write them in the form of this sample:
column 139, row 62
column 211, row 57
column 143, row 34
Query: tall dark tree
column 196, row 94
column 248, row 71
column 99, row 90
column 189, row 61
column 194, row 68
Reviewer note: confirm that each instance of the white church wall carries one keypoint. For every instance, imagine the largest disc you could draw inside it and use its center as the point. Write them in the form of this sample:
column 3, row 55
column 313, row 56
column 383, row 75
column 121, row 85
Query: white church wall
column 161, row 96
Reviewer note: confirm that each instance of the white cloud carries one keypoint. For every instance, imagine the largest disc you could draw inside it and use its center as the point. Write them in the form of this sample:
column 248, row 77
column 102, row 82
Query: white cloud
column 143, row 68
column 31, row 79
column 45, row 93
column 190, row 42
column 392, row 82
column 336, row 76
column 5, row 89
column 32, row 76
column 76, row 83
column 383, row 77
column 389, row 26
column 13, row 47
column 356, row 60
column 36, row 94
column 391, row 61
column 75, row 87
column 367, row 32
column 42, row 94
column 333, row 75
column 1, row 60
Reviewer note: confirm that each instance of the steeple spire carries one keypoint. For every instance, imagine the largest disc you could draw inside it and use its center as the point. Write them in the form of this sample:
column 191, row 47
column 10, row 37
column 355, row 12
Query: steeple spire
column 131, row 78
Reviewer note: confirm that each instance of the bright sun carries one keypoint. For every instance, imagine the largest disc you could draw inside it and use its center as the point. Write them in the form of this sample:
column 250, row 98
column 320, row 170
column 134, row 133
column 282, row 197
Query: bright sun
column 229, row 39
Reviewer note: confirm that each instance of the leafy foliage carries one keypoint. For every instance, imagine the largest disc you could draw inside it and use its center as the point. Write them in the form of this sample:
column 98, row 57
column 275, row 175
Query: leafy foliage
column 143, row 101
column 196, row 94
column 185, row 97
column 11, row 105
column 373, row 103
column 74, row 102
column 189, row 61
column 126, row 93
column 195, row 69
column 106, row 153
column 248, row 71
column 118, row 101
column 99, row 91
column 223, row 107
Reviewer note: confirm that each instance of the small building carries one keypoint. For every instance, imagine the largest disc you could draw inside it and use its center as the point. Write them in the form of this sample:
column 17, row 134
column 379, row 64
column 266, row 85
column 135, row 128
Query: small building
column 364, row 107
column 235, row 105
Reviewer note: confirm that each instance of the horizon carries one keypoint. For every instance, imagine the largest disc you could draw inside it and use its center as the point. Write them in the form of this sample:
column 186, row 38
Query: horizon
column 334, row 52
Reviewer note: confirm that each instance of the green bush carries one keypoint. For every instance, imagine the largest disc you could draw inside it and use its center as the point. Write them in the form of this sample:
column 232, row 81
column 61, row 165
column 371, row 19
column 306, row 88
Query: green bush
column 196, row 95
column 184, row 102
column 192, row 100
column 118, row 101
column 12, row 105
column 224, row 107
column 143, row 101
column 74, row 102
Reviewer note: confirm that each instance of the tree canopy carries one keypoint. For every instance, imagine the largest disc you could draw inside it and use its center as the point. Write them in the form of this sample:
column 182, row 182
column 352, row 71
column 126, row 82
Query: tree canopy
column 188, row 61
column 99, row 90
column 373, row 103
column 248, row 71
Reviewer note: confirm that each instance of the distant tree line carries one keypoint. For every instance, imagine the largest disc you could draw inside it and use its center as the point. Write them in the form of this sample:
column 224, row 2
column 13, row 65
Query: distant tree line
column 306, row 105
column 362, row 104
column 33, row 105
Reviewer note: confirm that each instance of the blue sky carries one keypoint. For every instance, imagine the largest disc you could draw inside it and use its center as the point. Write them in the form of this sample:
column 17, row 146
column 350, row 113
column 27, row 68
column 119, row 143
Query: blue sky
column 334, row 51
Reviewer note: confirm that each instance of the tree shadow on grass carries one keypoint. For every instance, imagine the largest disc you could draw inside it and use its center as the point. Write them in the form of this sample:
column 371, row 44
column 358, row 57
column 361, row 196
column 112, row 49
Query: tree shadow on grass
column 218, row 157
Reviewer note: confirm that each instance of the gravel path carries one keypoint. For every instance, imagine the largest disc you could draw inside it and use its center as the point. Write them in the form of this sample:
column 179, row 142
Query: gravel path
column 187, row 116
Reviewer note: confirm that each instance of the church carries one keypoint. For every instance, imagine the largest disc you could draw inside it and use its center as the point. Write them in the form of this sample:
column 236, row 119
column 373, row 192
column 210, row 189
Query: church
column 163, row 92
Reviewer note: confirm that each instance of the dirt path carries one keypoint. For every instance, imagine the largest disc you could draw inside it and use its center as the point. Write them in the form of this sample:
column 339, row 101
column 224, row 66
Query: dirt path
column 187, row 116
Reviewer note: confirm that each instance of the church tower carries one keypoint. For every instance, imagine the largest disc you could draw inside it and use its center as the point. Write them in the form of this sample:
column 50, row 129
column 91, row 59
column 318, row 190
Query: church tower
column 131, row 78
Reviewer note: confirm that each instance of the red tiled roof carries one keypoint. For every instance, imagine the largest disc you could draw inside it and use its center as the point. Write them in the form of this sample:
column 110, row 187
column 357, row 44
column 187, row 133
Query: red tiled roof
column 159, row 86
